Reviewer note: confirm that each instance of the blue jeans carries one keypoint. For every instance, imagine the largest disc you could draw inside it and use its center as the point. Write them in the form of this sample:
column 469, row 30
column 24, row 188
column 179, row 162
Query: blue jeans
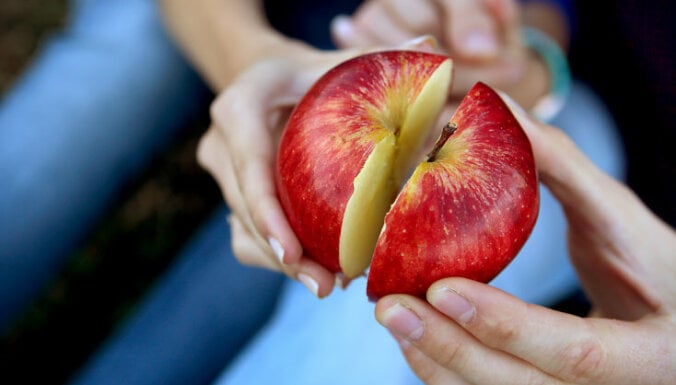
column 193, row 322
column 99, row 102
column 97, row 105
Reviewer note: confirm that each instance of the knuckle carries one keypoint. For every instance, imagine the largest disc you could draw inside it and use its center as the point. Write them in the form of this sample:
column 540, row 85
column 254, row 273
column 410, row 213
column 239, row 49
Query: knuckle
column 223, row 102
column 505, row 331
column 583, row 361
column 203, row 151
column 455, row 356
column 227, row 109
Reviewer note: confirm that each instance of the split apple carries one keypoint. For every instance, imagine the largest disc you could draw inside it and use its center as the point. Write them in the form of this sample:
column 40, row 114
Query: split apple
column 343, row 169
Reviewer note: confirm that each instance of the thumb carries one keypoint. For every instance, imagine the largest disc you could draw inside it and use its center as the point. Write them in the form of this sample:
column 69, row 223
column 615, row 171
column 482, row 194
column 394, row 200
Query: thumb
column 570, row 348
column 621, row 250
column 471, row 31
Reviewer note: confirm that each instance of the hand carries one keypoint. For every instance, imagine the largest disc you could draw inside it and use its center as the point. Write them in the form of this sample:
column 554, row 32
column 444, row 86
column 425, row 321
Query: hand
column 473, row 333
column 483, row 37
column 239, row 151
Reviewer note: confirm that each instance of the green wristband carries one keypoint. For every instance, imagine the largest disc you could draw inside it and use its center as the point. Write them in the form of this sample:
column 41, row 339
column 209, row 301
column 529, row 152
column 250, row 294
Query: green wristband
column 551, row 104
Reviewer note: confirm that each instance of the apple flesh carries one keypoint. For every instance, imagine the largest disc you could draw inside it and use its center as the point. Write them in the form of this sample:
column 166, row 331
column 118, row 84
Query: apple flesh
column 348, row 148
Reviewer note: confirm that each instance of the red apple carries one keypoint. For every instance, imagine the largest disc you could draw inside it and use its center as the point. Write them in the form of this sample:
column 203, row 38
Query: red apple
column 467, row 210
column 347, row 147
column 351, row 142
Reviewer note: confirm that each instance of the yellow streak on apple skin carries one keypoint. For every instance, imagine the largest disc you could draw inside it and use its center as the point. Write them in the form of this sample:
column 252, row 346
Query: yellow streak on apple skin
column 349, row 121
column 463, row 161
column 463, row 168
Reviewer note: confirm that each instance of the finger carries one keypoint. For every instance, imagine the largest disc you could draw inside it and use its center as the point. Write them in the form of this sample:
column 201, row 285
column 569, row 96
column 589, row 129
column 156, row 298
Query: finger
column 619, row 247
column 260, row 213
column 452, row 347
column 371, row 27
column 507, row 15
column 428, row 370
column 572, row 177
column 506, row 12
column 503, row 73
column 213, row 156
column 249, row 251
column 345, row 34
column 538, row 335
column 567, row 347
column 209, row 157
column 249, row 247
column 386, row 23
column 420, row 17
column 314, row 276
column 471, row 31
column 238, row 117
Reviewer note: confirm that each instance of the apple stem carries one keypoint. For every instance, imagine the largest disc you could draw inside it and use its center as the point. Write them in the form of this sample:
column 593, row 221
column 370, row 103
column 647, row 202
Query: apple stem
column 446, row 133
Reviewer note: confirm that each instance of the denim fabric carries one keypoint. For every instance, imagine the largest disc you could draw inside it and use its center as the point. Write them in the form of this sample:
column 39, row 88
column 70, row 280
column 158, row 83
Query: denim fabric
column 99, row 102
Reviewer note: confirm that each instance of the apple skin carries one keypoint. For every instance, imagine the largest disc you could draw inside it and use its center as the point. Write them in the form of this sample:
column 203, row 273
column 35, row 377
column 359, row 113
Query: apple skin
column 331, row 133
column 468, row 212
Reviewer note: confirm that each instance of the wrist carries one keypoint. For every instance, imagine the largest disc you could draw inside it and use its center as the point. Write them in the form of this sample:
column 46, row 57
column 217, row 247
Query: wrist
column 221, row 39
column 237, row 56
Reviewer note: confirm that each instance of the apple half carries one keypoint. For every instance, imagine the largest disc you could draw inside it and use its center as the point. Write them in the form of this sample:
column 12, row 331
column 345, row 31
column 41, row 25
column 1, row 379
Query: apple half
column 352, row 141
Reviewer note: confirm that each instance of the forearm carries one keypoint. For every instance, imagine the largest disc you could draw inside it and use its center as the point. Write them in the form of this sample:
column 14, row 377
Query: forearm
column 222, row 37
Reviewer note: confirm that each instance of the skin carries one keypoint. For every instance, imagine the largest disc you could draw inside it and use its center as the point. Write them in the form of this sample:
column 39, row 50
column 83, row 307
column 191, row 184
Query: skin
column 260, row 74
column 623, row 253
column 482, row 37
column 258, row 85
column 624, row 256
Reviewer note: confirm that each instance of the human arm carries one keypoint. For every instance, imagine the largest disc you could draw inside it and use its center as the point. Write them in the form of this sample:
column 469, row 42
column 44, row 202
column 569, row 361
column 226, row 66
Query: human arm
column 625, row 257
column 224, row 37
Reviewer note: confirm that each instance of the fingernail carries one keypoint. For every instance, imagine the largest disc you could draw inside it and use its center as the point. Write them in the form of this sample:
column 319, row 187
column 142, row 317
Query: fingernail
column 342, row 27
column 454, row 305
column 403, row 322
column 480, row 43
column 423, row 43
column 403, row 342
column 277, row 248
column 310, row 283
column 342, row 281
